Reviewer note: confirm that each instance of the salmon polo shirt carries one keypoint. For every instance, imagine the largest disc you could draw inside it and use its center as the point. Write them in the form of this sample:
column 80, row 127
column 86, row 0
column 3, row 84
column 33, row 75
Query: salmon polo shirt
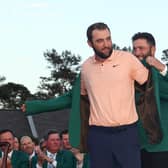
column 110, row 88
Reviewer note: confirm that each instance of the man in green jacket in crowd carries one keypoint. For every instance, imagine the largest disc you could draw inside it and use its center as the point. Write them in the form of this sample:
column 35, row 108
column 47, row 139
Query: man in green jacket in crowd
column 157, row 153
column 18, row 159
column 54, row 156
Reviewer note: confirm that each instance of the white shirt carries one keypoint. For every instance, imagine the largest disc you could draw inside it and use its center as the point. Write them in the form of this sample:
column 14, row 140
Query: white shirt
column 9, row 154
column 52, row 156
column 54, row 163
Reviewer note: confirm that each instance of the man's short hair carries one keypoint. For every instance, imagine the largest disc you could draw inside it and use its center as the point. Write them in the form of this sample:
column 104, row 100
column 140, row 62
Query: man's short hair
column 46, row 136
column 144, row 35
column 7, row 130
column 64, row 132
column 98, row 26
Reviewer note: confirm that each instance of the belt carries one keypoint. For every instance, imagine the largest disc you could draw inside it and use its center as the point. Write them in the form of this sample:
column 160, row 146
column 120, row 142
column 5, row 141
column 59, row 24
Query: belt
column 114, row 129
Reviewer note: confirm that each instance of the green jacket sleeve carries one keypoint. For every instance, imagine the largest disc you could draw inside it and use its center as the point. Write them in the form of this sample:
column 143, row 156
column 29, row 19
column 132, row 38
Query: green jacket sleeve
column 163, row 86
column 40, row 106
column 74, row 118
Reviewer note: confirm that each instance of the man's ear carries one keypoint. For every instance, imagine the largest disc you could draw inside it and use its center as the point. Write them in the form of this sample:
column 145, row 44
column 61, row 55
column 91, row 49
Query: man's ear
column 153, row 50
column 89, row 43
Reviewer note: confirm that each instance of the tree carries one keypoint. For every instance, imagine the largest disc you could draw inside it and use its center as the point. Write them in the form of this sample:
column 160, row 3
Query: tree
column 165, row 55
column 12, row 95
column 64, row 69
column 2, row 78
column 116, row 47
column 127, row 49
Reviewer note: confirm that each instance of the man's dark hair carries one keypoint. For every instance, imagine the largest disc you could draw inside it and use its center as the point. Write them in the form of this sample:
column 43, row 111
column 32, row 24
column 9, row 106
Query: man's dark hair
column 46, row 136
column 98, row 26
column 144, row 35
column 63, row 132
column 7, row 130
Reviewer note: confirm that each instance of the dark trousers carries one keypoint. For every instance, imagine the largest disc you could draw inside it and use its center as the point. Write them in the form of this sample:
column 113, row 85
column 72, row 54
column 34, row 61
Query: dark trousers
column 114, row 147
column 154, row 159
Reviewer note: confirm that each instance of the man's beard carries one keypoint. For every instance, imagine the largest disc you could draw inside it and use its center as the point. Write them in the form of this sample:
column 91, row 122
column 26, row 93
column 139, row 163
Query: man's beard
column 149, row 53
column 102, row 55
column 143, row 61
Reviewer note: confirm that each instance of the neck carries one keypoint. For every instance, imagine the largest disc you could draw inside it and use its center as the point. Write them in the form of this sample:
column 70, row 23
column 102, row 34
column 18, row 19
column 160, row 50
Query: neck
column 53, row 152
column 97, row 58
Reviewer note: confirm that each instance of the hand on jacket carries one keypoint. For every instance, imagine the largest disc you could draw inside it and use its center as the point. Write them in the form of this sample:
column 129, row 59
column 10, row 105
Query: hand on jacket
column 155, row 63
column 23, row 108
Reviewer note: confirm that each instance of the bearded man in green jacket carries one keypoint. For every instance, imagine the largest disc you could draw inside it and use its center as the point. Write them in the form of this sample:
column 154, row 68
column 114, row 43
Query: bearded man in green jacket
column 154, row 155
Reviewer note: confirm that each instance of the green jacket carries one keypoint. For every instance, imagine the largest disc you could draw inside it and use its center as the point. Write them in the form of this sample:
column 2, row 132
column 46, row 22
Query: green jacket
column 69, row 100
column 19, row 159
column 161, row 95
column 72, row 100
column 64, row 158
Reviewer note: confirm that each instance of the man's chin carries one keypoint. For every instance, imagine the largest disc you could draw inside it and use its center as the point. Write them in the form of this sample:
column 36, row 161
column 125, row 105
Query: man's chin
column 104, row 55
column 140, row 58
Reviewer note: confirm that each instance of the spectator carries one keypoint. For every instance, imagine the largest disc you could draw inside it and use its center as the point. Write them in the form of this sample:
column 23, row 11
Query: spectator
column 18, row 159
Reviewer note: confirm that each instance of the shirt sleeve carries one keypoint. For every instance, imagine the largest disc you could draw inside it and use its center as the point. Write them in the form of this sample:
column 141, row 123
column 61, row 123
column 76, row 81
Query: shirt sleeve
column 138, row 71
column 164, row 72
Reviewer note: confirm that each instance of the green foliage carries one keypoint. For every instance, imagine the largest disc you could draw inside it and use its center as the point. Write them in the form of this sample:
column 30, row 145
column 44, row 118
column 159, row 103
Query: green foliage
column 12, row 95
column 165, row 55
column 64, row 69
column 2, row 78
column 116, row 47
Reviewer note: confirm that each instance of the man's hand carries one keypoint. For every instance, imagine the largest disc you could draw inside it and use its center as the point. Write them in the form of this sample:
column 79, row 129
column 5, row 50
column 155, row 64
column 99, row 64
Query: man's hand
column 8, row 163
column 155, row 63
column 42, row 156
column 23, row 108
column 79, row 156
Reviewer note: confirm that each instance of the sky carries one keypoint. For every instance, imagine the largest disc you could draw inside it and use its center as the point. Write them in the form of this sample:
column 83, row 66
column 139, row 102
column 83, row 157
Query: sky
column 28, row 28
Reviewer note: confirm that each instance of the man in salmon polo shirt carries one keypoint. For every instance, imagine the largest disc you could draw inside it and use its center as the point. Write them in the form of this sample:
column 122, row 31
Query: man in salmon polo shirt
column 107, row 79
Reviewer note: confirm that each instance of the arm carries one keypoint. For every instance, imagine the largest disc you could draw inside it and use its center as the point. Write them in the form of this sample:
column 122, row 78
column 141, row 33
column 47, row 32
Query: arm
column 163, row 76
column 79, row 157
column 154, row 62
column 40, row 106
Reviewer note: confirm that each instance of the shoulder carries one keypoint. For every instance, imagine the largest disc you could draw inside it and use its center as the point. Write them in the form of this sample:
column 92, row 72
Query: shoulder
column 123, row 54
column 66, row 153
column 19, row 154
column 126, row 58
column 88, row 61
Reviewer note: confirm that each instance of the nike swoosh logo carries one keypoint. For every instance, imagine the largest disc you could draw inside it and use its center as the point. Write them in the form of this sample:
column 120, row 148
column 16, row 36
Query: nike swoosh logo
column 115, row 65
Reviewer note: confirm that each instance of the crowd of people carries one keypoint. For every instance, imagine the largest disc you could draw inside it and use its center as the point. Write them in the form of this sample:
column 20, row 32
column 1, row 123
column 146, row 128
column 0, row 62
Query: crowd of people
column 53, row 150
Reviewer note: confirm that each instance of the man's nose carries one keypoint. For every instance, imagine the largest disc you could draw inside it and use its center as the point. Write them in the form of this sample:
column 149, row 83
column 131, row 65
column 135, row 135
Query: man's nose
column 136, row 52
column 106, row 43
